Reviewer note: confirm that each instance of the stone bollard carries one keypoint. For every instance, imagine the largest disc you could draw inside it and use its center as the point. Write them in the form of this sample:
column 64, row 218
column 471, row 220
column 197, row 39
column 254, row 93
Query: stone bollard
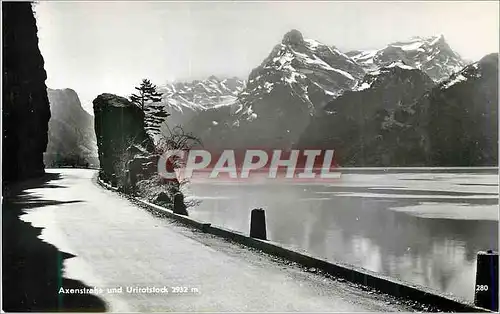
column 258, row 224
column 114, row 180
column 486, row 290
column 179, row 206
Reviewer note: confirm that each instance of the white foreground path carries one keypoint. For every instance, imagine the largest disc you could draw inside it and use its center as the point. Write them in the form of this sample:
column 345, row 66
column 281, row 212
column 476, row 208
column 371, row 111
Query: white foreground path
column 118, row 244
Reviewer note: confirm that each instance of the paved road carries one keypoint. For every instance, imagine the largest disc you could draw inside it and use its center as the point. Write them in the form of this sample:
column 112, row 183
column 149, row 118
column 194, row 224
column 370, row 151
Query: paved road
column 118, row 244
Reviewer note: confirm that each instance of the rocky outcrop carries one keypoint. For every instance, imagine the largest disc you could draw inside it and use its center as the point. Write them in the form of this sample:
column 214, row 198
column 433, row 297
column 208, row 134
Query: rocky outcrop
column 127, row 154
column 119, row 128
column 72, row 138
column 26, row 110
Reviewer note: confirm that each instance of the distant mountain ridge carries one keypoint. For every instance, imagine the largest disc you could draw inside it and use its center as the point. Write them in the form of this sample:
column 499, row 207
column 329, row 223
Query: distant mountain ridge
column 201, row 94
column 71, row 130
column 432, row 55
column 183, row 100
column 374, row 108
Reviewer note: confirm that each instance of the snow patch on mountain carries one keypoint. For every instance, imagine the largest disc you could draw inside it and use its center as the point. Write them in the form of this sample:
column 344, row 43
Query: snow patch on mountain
column 401, row 65
column 416, row 45
column 454, row 80
column 363, row 86
column 385, row 73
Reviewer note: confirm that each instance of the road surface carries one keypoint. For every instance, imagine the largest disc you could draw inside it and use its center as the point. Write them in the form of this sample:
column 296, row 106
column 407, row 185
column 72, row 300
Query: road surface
column 115, row 245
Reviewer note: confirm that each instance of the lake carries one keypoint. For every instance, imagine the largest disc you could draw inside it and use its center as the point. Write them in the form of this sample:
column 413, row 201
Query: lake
column 421, row 225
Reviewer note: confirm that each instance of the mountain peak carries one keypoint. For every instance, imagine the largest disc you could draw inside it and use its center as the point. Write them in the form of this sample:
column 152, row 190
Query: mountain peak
column 431, row 54
column 438, row 40
column 293, row 37
column 427, row 39
column 440, row 37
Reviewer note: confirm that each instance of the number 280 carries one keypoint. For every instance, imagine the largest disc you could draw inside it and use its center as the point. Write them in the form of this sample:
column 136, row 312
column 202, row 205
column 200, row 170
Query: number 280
column 481, row 287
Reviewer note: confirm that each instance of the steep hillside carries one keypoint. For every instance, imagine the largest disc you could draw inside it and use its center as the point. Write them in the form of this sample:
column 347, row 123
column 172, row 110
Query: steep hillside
column 369, row 126
column 459, row 118
column 71, row 131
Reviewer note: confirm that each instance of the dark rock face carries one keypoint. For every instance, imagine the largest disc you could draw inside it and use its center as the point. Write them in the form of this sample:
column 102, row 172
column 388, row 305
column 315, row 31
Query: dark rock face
column 370, row 126
column 293, row 37
column 459, row 118
column 119, row 125
column 26, row 110
column 71, row 131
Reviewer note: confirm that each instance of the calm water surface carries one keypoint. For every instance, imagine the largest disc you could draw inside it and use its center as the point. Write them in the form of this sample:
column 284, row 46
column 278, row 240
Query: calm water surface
column 424, row 227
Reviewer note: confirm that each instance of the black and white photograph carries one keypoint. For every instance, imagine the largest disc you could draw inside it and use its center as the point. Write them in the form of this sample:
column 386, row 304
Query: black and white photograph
column 250, row 156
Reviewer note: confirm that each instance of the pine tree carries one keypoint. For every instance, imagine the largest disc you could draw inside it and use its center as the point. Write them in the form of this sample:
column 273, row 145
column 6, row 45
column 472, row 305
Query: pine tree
column 147, row 92
column 149, row 100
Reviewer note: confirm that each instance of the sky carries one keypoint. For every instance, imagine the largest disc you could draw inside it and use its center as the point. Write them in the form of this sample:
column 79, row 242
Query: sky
column 98, row 46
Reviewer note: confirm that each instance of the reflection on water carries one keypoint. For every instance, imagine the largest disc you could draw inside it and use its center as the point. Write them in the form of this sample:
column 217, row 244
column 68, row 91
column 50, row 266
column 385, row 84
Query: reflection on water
column 430, row 240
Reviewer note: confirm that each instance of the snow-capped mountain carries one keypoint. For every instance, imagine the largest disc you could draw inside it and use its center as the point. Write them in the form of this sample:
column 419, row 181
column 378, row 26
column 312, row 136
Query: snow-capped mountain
column 184, row 99
column 303, row 68
column 297, row 79
column 432, row 55
column 378, row 108
column 201, row 94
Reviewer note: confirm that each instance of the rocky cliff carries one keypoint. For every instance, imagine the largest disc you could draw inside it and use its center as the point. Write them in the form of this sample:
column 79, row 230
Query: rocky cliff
column 71, row 131
column 26, row 110
column 119, row 125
